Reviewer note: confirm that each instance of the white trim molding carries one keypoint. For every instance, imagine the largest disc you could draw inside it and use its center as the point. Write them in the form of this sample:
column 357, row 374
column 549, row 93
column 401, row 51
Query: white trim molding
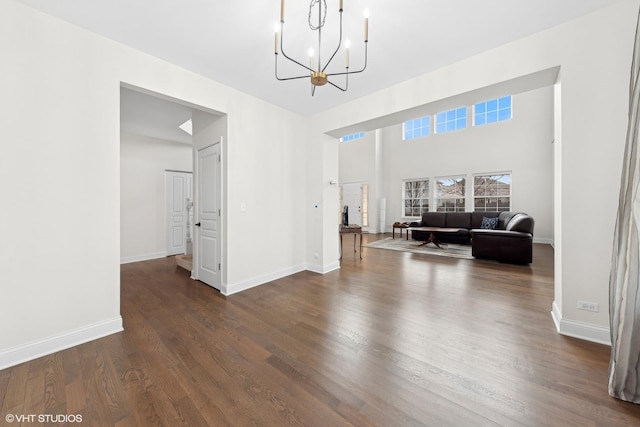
column 145, row 257
column 23, row 353
column 543, row 240
column 320, row 269
column 575, row 329
column 234, row 288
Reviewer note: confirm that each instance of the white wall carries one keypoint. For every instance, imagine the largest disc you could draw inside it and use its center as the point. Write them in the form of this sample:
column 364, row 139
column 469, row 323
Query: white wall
column 60, row 103
column 357, row 160
column 321, row 201
column 265, row 171
column 143, row 161
column 521, row 145
column 594, row 55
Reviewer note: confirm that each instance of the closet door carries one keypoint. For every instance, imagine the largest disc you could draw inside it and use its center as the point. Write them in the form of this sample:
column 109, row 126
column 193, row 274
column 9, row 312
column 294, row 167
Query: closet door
column 177, row 191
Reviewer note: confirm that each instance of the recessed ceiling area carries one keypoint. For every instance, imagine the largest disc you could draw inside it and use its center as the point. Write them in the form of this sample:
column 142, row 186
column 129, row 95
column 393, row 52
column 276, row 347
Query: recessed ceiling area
column 153, row 117
column 232, row 42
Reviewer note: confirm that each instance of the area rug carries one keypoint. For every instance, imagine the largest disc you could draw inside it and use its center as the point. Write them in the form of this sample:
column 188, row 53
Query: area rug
column 413, row 246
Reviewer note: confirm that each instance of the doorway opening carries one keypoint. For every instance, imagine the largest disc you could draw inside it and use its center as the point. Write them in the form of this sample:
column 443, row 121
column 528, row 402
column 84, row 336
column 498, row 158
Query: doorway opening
column 158, row 216
column 355, row 196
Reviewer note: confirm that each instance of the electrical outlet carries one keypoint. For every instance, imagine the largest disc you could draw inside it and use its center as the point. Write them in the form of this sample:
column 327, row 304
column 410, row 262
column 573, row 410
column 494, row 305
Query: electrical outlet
column 588, row 306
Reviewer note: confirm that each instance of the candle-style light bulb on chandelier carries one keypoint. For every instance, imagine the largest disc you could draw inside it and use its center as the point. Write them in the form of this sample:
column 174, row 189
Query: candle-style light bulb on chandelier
column 317, row 72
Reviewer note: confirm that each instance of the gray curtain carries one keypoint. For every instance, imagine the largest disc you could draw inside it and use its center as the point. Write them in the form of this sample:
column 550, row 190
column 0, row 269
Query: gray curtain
column 624, row 291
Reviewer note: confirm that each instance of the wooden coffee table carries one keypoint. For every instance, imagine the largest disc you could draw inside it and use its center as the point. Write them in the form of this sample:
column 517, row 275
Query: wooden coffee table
column 431, row 230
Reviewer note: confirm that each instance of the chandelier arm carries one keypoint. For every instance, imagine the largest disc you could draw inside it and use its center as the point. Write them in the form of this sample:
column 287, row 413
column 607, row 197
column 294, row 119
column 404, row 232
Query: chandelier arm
column 353, row 72
column 338, row 87
column 337, row 48
column 287, row 78
column 284, row 53
column 282, row 79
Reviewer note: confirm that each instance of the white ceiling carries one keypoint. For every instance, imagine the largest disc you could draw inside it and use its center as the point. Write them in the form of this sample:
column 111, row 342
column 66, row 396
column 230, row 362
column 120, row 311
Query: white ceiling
column 232, row 41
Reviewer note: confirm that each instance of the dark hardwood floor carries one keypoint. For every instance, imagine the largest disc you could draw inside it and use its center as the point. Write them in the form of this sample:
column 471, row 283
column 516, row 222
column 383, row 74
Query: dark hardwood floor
column 395, row 339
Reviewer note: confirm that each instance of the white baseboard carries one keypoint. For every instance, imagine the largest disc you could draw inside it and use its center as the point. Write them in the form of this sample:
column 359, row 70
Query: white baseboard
column 575, row 329
column 544, row 240
column 23, row 353
column 233, row 288
column 145, row 257
column 323, row 269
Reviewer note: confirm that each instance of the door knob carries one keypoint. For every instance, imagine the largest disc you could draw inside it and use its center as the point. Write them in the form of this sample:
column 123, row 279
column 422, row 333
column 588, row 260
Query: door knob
column 197, row 224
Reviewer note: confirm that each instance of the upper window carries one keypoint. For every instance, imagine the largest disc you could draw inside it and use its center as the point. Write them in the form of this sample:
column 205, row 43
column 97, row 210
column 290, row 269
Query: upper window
column 492, row 111
column 416, row 128
column 415, row 197
column 451, row 120
column 450, row 194
column 352, row 136
column 492, row 192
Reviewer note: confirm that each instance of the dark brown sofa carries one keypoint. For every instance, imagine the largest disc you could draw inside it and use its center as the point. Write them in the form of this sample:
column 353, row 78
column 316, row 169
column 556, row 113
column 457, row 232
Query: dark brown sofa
column 511, row 241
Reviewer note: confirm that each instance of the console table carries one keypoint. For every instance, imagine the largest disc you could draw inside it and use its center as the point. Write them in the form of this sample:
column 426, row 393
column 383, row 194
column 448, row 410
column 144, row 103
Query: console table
column 354, row 229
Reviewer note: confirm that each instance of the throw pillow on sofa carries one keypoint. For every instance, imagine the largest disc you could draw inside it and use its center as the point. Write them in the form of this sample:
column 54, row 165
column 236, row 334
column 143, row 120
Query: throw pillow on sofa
column 489, row 223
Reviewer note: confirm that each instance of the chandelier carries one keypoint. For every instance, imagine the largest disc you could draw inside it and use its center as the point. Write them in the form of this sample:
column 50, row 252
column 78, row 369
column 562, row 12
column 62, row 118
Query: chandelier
column 317, row 71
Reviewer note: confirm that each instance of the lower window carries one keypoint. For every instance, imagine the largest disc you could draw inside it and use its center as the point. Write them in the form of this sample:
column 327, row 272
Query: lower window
column 415, row 197
column 492, row 192
column 450, row 194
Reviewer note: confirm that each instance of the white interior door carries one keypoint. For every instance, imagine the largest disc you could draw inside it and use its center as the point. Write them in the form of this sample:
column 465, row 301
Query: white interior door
column 352, row 197
column 177, row 191
column 208, row 216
